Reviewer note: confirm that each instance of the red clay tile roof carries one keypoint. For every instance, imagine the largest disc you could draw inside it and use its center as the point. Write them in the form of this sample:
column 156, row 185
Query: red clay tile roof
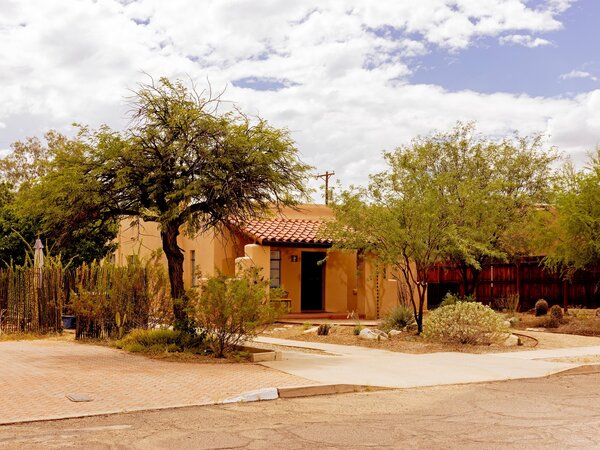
column 286, row 231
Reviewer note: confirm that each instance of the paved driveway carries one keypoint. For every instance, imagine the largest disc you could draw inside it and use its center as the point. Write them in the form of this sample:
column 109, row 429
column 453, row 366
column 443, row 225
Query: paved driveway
column 36, row 376
column 374, row 367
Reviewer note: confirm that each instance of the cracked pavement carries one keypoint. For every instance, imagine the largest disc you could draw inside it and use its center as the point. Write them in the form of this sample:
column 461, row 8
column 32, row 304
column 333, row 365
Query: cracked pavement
column 560, row 411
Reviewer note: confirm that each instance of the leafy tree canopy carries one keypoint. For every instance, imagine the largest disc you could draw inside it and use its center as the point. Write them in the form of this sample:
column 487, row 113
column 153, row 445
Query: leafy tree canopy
column 23, row 218
column 181, row 162
column 452, row 195
column 573, row 234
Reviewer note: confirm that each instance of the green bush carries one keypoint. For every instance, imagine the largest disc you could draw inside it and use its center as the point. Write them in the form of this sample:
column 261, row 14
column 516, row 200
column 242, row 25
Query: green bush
column 231, row 310
column 323, row 329
column 357, row 329
column 165, row 340
column 398, row 318
column 452, row 299
column 465, row 323
column 541, row 307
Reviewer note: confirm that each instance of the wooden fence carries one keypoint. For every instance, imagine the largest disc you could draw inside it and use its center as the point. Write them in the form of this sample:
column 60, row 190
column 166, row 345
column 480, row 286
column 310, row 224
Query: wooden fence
column 526, row 277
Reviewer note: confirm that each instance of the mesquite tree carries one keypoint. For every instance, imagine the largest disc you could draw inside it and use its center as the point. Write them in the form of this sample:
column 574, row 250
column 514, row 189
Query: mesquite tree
column 181, row 163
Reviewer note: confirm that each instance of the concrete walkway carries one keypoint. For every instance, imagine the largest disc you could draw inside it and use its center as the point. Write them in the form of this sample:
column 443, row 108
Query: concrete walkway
column 372, row 367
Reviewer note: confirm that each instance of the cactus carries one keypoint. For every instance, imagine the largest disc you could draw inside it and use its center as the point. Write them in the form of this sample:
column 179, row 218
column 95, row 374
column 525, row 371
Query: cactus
column 323, row 329
column 120, row 324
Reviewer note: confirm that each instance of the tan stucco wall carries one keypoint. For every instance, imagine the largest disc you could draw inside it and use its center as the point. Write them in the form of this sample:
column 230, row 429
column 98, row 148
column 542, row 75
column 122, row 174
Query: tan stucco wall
column 213, row 252
column 377, row 294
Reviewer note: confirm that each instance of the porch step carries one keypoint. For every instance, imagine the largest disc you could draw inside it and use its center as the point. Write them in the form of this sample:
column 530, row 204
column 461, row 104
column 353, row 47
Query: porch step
column 324, row 315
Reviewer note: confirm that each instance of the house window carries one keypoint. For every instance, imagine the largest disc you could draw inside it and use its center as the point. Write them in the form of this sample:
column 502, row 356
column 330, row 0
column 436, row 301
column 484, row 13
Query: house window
column 275, row 269
column 193, row 268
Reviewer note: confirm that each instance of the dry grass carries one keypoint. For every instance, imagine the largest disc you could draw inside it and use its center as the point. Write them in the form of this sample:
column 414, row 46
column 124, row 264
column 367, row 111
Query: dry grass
column 404, row 343
column 582, row 322
column 28, row 336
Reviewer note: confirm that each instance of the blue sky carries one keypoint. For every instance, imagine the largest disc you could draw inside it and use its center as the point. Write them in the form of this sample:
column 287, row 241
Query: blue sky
column 488, row 67
column 348, row 78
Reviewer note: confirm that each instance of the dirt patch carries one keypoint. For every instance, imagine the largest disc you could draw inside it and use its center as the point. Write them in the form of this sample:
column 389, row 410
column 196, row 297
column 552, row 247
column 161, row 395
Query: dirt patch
column 407, row 342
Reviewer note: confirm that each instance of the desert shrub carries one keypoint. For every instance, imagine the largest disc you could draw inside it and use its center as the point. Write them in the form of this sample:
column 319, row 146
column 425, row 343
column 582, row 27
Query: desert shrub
column 162, row 340
column 232, row 310
column 550, row 322
column 323, row 329
column 556, row 312
column 452, row 299
column 541, row 307
column 357, row 329
column 306, row 325
column 160, row 311
column 465, row 323
column 583, row 327
column 509, row 304
column 400, row 317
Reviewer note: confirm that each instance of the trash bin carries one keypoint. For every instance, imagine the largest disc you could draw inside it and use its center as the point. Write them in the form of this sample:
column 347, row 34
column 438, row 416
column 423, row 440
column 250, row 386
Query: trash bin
column 68, row 322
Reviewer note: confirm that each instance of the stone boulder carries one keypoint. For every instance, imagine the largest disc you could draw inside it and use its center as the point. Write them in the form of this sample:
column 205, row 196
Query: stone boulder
column 311, row 330
column 511, row 341
column 372, row 334
column 394, row 333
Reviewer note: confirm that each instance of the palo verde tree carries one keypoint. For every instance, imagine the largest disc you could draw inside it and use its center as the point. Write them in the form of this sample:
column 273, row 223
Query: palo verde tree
column 181, row 163
column 399, row 220
column 492, row 190
column 573, row 233
column 447, row 196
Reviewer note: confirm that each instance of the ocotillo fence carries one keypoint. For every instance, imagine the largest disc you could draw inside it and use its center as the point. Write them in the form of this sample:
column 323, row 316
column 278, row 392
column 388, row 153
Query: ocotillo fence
column 30, row 300
column 106, row 300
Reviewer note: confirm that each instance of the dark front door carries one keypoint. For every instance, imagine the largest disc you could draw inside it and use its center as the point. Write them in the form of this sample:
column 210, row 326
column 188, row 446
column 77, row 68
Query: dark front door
column 311, row 285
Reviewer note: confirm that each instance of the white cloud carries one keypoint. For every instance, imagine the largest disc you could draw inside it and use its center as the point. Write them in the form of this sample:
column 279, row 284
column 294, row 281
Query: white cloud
column 345, row 64
column 578, row 74
column 523, row 39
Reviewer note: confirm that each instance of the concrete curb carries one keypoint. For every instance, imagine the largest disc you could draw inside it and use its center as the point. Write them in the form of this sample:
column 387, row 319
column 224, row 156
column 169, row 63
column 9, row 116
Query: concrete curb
column 300, row 391
column 325, row 389
column 254, row 396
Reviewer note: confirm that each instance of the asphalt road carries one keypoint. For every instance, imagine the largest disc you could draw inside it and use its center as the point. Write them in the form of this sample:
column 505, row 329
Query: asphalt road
column 561, row 411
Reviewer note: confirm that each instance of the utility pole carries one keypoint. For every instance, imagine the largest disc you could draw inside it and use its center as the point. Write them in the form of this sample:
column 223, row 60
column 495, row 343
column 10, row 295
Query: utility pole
column 325, row 176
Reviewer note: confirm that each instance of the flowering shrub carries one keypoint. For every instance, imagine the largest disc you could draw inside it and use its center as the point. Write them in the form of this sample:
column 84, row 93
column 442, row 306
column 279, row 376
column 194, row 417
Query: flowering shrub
column 465, row 323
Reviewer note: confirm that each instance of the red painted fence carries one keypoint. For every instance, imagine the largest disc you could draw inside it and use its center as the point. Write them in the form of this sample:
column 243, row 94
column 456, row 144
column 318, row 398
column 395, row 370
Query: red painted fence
column 526, row 277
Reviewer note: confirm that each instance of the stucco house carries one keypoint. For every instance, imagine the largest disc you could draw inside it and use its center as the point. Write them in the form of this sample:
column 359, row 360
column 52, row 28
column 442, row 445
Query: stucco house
column 319, row 281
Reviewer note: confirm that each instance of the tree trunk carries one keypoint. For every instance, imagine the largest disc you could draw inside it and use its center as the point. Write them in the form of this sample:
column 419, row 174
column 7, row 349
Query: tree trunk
column 422, row 291
column 469, row 286
column 175, row 257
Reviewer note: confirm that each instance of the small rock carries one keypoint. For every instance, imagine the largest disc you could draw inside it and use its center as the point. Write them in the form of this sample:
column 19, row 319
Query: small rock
column 507, row 323
column 311, row 330
column 511, row 341
column 395, row 332
column 372, row 334
column 288, row 326
column 275, row 330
